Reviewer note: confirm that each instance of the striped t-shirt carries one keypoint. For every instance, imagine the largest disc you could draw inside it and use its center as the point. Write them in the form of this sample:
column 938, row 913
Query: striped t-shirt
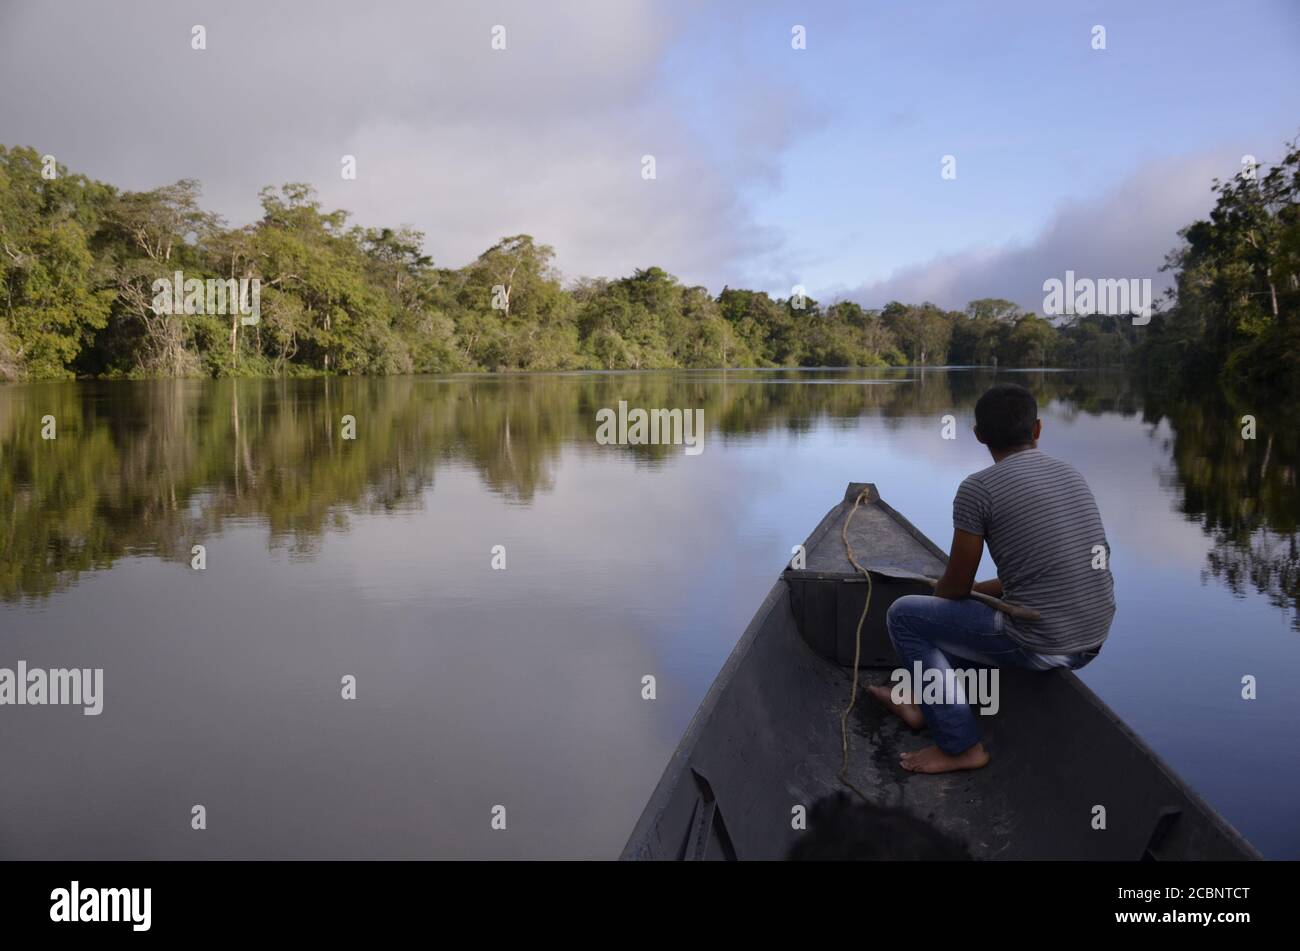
column 1041, row 524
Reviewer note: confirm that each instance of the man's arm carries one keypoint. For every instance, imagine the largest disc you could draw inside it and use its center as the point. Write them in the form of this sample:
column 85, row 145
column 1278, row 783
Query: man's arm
column 992, row 587
column 963, row 562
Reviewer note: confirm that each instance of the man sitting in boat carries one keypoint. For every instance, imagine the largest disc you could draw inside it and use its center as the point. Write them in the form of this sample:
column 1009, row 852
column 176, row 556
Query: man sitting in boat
column 1045, row 536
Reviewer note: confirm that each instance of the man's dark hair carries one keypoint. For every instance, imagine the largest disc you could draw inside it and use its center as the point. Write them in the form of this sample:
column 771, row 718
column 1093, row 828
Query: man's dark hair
column 1005, row 416
column 842, row 829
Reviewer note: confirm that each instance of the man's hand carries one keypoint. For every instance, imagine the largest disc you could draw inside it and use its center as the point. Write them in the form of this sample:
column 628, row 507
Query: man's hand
column 992, row 587
column 958, row 579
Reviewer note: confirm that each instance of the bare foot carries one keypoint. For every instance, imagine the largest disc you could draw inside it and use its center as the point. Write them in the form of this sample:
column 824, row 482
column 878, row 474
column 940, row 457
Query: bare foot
column 909, row 713
column 934, row 760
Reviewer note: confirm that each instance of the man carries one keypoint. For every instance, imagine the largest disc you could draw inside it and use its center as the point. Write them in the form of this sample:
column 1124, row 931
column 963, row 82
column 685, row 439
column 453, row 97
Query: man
column 1045, row 535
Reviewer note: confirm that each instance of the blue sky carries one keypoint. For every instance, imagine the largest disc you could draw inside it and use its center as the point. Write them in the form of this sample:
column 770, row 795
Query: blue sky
column 1033, row 114
column 774, row 166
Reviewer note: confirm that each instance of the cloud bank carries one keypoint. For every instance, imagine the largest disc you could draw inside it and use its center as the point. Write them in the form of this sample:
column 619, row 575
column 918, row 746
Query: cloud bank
column 1124, row 233
column 465, row 142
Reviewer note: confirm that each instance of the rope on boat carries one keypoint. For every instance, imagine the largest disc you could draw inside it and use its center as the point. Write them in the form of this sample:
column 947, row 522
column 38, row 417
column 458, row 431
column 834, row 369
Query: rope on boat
column 857, row 651
column 1014, row 610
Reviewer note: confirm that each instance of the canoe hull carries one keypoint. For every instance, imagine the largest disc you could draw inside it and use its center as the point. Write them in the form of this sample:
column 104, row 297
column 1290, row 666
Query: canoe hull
column 766, row 739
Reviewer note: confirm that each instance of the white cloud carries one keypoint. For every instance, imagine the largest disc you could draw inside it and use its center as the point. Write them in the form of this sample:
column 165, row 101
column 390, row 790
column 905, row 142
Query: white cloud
column 462, row 141
column 1124, row 233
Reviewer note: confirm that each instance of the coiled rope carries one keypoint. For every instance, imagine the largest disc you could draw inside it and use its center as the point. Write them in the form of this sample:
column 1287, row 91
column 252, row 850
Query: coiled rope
column 857, row 650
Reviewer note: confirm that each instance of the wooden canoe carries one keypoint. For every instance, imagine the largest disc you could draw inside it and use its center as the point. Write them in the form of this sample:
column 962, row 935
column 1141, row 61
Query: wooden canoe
column 766, row 737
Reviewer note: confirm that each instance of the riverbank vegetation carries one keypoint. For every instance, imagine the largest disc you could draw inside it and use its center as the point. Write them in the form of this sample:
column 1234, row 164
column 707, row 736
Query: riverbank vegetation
column 1235, row 309
column 78, row 259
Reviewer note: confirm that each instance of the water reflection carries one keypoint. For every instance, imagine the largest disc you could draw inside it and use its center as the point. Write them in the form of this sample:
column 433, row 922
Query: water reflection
column 1242, row 492
column 155, row 468
column 371, row 557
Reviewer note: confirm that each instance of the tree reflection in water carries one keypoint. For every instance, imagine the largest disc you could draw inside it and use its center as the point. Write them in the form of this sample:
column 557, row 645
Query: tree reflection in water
column 154, row 468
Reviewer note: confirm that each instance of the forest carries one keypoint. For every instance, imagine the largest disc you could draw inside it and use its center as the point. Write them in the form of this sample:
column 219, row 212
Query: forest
column 80, row 259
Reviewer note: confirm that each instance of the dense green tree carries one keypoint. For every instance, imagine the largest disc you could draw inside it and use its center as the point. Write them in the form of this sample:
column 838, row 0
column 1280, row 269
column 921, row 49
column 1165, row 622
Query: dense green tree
column 923, row 332
column 79, row 262
column 1237, row 285
column 54, row 299
column 980, row 334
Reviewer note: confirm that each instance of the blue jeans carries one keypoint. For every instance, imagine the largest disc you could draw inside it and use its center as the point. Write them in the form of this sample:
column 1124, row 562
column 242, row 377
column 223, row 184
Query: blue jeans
column 938, row 631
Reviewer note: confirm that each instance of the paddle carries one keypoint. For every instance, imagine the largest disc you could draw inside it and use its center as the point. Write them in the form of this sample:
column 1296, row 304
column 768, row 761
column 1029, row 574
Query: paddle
column 1016, row 611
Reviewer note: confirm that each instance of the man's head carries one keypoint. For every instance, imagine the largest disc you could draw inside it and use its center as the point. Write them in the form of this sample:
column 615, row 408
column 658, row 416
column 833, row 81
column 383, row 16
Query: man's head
column 1006, row 419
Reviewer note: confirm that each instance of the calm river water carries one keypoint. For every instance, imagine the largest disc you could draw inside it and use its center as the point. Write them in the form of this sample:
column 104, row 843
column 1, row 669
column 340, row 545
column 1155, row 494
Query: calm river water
column 477, row 687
